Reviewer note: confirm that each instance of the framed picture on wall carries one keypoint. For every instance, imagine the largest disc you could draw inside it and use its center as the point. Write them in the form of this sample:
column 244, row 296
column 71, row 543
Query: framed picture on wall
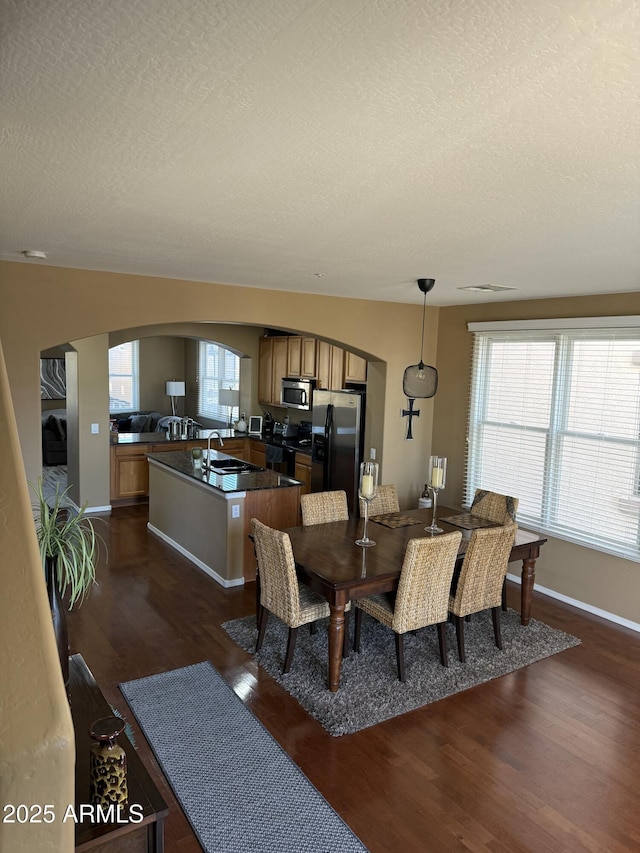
column 53, row 380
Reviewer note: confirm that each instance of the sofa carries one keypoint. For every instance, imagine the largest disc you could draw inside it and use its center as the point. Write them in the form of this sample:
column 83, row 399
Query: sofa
column 54, row 437
column 142, row 421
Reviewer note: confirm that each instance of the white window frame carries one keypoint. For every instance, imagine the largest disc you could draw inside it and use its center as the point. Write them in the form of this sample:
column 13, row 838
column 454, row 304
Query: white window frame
column 557, row 495
column 218, row 367
column 124, row 364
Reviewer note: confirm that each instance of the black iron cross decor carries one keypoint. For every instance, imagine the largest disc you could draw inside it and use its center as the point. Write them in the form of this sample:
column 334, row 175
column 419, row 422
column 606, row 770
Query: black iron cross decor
column 410, row 413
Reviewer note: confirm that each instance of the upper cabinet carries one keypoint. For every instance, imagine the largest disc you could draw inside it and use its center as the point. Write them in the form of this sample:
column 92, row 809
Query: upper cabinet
column 330, row 367
column 301, row 357
column 295, row 356
column 355, row 368
column 272, row 368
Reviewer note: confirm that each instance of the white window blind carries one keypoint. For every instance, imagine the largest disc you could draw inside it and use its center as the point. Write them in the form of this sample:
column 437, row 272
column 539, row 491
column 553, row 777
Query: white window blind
column 124, row 377
column 217, row 368
column 555, row 421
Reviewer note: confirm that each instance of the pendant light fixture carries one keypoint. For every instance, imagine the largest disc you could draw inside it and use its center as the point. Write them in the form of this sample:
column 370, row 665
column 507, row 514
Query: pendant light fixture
column 421, row 380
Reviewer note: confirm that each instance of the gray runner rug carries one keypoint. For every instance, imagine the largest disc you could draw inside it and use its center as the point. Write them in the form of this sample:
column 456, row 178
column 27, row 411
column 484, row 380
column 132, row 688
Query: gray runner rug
column 369, row 688
column 239, row 789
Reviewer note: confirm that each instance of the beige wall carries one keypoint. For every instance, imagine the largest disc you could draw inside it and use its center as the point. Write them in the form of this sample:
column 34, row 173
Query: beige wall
column 43, row 307
column 37, row 750
column 604, row 582
column 75, row 304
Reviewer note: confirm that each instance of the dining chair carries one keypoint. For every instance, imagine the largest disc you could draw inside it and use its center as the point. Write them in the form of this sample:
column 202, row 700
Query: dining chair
column 281, row 593
column 422, row 597
column 499, row 508
column 481, row 578
column 494, row 506
column 323, row 507
column 386, row 500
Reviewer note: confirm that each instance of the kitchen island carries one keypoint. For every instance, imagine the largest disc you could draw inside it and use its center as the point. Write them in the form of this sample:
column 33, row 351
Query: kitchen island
column 205, row 514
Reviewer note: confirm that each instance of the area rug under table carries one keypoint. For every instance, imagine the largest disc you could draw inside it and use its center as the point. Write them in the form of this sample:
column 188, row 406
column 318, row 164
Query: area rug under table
column 240, row 791
column 370, row 691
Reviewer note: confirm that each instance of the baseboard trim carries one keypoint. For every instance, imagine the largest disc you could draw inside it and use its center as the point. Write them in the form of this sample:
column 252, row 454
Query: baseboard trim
column 581, row 605
column 205, row 568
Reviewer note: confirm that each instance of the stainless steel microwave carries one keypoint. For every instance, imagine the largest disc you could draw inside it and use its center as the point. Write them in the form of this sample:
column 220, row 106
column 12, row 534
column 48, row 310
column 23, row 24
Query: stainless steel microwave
column 297, row 393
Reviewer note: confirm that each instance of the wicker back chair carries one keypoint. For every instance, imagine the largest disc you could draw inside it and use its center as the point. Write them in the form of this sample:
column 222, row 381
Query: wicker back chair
column 281, row 593
column 422, row 597
column 499, row 508
column 386, row 500
column 481, row 578
column 494, row 506
column 322, row 507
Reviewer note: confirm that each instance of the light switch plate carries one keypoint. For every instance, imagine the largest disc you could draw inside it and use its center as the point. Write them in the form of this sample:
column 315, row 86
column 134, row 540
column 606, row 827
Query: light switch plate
column 95, row 429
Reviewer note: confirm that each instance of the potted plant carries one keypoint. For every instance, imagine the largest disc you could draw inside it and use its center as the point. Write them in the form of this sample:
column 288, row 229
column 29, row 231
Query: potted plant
column 69, row 549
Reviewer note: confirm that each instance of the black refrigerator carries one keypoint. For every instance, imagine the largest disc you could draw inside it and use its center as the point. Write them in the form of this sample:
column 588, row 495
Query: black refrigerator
column 337, row 443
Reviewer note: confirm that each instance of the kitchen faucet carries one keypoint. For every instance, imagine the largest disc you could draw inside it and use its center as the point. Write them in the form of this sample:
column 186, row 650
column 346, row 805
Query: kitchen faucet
column 212, row 434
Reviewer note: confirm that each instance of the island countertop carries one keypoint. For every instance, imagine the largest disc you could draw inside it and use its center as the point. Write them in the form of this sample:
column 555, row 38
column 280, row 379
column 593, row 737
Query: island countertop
column 244, row 481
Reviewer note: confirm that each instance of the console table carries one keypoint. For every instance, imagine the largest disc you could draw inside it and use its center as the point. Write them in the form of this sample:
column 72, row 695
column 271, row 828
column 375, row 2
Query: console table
column 87, row 705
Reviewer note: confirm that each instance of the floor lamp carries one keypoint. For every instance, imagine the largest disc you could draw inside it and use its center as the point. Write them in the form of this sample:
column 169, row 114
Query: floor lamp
column 174, row 389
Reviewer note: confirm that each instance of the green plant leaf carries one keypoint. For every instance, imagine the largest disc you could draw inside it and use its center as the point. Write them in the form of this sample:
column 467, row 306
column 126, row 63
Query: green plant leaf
column 70, row 539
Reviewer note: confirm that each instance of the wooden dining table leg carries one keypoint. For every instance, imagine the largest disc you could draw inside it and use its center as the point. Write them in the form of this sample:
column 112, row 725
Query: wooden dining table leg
column 336, row 639
column 526, row 592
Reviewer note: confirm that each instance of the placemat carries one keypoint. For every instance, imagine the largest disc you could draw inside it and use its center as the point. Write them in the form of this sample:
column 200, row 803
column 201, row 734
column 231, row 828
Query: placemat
column 395, row 519
column 469, row 521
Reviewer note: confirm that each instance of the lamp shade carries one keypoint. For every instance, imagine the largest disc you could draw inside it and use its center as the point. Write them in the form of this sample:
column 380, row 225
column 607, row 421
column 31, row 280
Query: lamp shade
column 229, row 397
column 175, row 389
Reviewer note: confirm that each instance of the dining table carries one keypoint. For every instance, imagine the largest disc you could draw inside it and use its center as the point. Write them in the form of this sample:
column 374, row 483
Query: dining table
column 330, row 562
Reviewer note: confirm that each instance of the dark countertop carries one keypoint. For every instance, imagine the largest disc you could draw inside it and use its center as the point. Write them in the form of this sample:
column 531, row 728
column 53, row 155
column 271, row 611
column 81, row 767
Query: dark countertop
column 248, row 481
column 162, row 437
column 126, row 438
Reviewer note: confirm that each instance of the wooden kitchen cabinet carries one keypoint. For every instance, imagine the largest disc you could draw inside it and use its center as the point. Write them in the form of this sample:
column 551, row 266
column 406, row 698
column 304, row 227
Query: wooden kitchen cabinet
column 129, row 472
column 236, row 447
column 303, row 472
column 301, row 357
column 355, row 368
column 330, row 366
column 272, row 368
column 258, row 453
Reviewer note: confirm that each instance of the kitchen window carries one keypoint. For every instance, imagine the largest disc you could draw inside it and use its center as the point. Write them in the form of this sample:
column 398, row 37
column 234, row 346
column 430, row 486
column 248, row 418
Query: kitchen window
column 124, row 378
column 554, row 420
column 217, row 368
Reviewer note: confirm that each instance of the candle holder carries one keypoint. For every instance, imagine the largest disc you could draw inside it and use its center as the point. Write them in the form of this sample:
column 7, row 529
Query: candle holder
column 367, row 491
column 437, row 481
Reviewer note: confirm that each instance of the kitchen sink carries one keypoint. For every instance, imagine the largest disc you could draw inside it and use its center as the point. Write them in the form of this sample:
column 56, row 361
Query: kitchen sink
column 232, row 466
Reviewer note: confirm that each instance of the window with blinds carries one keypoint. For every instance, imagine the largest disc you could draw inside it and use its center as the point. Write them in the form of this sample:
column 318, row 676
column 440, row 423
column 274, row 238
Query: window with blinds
column 124, row 378
column 217, row 368
column 555, row 421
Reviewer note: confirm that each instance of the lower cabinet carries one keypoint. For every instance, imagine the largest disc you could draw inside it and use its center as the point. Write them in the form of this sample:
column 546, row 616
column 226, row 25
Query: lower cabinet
column 257, row 453
column 129, row 472
column 303, row 472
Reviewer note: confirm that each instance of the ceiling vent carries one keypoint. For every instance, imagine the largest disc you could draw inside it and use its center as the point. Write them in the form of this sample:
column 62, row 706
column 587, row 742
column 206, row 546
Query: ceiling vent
column 487, row 288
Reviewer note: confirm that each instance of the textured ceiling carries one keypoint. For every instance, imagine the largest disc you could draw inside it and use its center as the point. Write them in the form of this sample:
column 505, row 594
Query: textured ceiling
column 345, row 147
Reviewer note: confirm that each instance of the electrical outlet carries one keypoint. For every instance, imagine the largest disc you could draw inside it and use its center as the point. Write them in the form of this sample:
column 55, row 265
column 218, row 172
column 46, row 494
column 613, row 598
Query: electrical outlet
column 373, row 454
column 235, row 511
column 95, row 429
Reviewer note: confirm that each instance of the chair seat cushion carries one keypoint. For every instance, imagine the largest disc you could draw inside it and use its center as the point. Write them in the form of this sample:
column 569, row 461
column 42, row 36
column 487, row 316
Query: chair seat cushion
column 312, row 605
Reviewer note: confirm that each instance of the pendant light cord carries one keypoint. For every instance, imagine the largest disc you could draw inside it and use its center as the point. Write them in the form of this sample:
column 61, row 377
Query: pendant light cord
column 424, row 308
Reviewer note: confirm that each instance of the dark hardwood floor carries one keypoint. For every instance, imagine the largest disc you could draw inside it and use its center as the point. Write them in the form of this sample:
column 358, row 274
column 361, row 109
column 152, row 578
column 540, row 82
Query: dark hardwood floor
column 543, row 759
